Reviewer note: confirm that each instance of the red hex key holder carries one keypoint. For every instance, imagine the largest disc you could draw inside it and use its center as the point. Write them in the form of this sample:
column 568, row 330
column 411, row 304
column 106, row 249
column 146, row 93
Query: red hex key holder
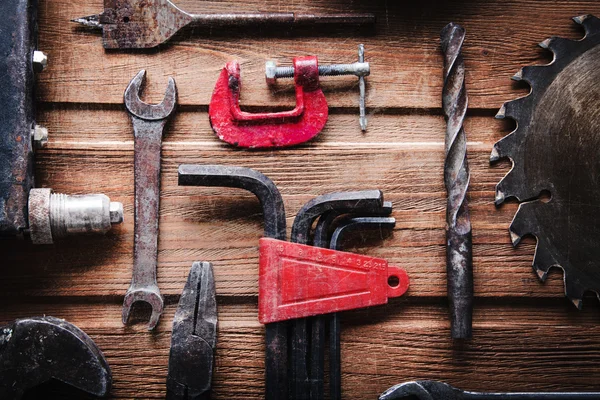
column 297, row 281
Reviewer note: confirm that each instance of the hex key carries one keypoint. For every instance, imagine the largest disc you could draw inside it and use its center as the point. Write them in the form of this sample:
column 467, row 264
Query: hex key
column 344, row 202
column 276, row 360
column 346, row 227
column 317, row 336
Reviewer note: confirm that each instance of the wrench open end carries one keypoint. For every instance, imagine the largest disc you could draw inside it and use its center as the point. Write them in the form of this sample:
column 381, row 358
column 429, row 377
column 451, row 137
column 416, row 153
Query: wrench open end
column 149, row 112
column 422, row 390
column 149, row 296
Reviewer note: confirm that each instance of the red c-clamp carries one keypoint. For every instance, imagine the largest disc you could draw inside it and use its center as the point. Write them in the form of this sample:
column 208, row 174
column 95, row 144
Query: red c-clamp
column 280, row 129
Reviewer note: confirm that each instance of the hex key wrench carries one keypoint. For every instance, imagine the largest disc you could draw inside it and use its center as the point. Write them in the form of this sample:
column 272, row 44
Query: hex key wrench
column 345, row 227
column 321, row 239
column 344, row 202
column 276, row 361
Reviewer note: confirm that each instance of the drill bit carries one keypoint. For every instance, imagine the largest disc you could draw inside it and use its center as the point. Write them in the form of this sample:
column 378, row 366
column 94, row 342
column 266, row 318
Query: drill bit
column 459, row 257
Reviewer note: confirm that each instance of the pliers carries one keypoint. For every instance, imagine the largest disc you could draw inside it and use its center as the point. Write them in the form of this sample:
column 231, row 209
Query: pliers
column 194, row 337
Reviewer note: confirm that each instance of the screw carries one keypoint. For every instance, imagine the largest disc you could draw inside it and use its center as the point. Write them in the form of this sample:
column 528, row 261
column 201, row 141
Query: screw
column 40, row 136
column 361, row 69
column 40, row 61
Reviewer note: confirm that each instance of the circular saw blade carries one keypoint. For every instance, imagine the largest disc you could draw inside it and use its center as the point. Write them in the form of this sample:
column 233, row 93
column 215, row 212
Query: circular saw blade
column 555, row 148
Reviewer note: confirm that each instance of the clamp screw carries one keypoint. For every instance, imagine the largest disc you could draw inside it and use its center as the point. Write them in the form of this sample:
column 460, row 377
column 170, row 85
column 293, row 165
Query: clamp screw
column 40, row 61
column 361, row 69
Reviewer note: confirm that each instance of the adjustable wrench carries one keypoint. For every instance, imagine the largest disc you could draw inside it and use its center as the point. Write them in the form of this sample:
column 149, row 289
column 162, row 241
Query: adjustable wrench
column 148, row 125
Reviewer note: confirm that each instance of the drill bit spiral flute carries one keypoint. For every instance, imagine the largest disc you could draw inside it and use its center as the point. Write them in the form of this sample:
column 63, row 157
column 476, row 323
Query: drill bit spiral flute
column 459, row 258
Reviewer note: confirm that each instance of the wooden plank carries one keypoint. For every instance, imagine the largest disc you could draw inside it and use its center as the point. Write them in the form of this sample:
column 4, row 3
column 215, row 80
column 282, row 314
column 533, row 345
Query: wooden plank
column 527, row 336
column 520, row 344
column 404, row 52
column 403, row 157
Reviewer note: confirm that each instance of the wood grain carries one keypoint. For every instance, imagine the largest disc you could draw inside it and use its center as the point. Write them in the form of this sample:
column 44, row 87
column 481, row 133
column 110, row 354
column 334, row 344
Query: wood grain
column 502, row 37
column 527, row 336
column 522, row 347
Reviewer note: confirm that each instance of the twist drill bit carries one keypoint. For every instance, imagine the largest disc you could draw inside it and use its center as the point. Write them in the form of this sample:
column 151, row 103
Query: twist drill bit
column 459, row 257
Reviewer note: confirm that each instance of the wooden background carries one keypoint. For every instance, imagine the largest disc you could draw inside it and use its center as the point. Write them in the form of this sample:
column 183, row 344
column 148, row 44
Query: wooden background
column 527, row 335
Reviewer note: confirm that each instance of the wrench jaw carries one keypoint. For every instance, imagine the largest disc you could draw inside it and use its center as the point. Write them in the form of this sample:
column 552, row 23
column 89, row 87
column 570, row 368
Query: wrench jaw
column 145, row 111
column 39, row 349
column 422, row 390
column 150, row 295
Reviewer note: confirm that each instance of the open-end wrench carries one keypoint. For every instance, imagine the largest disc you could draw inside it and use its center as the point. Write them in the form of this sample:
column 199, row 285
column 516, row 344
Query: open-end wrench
column 148, row 125
column 434, row 390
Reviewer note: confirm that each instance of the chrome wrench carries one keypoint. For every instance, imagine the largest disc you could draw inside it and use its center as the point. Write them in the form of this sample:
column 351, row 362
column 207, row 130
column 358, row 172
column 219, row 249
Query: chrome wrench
column 148, row 126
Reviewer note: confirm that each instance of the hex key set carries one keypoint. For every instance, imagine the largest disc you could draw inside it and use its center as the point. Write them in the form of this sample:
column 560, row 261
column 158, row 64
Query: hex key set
column 306, row 283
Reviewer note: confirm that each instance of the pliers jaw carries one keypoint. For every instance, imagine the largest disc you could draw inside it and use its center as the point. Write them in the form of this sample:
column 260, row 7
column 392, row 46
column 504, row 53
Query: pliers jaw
column 194, row 337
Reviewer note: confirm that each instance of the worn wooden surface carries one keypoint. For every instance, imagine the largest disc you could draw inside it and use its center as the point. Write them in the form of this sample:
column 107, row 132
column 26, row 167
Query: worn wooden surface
column 527, row 336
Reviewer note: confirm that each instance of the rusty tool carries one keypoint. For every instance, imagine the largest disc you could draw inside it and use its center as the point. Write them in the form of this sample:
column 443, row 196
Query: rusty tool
column 347, row 226
column 25, row 210
column 360, row 69
column 340, row 202
column 276, row 357
column 321, row 238
column 555, row 163
column 434, row 390
column 35, row 350
column 135, row 24
column 459, row 256
column 148, row 125
column 284, row 128
column 194, row 337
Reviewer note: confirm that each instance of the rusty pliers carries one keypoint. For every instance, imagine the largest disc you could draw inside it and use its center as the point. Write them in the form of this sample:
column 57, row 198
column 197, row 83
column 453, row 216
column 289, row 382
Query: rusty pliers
column 194, row 337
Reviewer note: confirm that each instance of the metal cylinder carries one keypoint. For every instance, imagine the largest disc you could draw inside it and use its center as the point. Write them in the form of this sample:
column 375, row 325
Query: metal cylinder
column 55, row 215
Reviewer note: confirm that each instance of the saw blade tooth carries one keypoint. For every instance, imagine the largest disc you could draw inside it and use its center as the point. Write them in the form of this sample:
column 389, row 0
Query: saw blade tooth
column 542, row 262
column 501, row 114
column 513, row 109
column 545, row 44
column 574, row 291
column 590, row 23
column 523, row 222
column 518, row 76
column 558, row 46
column 528, row 74
column 504, row 147
column 513, row 185
column 577, row 302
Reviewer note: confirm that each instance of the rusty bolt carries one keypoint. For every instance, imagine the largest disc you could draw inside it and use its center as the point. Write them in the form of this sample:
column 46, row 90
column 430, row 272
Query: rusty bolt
column 40, row 61
column 40, row 136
